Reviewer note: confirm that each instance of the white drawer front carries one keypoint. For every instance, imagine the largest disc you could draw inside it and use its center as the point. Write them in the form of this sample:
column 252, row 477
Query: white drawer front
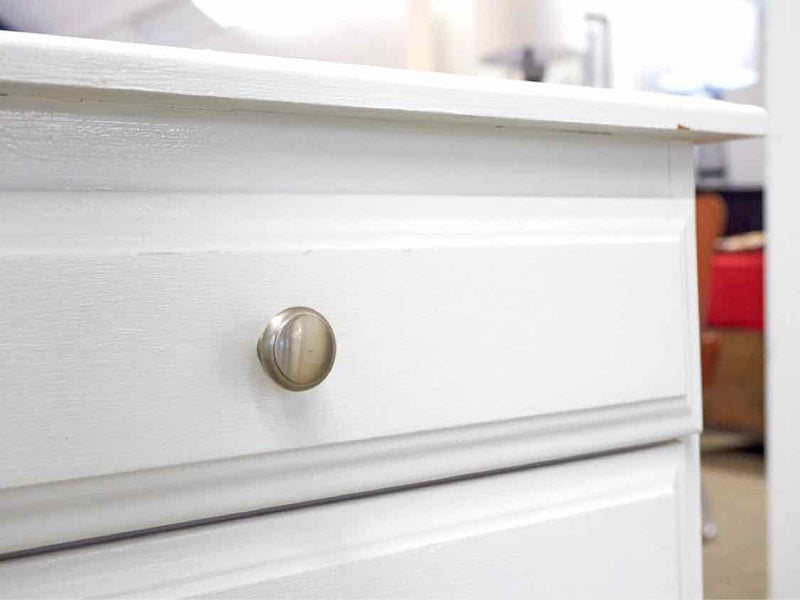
column 118, row 362
column 498, row 331
column 623, row 526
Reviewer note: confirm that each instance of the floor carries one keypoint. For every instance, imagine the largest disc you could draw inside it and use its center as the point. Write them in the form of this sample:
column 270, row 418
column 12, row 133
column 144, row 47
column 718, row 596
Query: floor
column 733, row 478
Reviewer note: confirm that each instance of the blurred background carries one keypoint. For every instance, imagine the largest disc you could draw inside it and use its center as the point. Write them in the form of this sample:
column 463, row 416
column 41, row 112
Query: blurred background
column 709, row 48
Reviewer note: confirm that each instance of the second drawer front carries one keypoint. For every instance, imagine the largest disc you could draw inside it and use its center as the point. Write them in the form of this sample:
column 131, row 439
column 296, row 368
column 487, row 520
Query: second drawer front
column 624, row 526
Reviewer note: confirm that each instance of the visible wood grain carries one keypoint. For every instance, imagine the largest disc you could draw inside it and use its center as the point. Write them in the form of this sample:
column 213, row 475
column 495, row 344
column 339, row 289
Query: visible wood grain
column 93, row 145
column 624, row 522
column 82, row 68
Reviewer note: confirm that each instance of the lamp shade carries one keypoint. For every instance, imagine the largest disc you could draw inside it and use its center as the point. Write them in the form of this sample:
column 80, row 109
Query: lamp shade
column 504, row 28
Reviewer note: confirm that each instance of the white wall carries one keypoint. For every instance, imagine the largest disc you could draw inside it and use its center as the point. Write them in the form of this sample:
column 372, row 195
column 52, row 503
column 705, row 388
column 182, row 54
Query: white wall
column 745, row 158
column 359, row 31
column 783, row 297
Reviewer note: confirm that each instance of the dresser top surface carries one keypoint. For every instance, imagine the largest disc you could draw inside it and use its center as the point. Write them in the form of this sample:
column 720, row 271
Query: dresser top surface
column 114, row 71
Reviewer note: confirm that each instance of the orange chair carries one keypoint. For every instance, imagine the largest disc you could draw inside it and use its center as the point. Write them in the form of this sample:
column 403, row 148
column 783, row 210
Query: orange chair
column 711, row 216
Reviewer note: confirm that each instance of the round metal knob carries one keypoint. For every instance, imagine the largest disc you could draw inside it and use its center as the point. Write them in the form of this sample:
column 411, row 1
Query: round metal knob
column 297, row 348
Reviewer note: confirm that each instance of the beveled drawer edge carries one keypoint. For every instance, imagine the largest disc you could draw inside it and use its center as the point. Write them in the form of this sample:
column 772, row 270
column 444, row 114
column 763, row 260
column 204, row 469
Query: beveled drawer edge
column 41, row 517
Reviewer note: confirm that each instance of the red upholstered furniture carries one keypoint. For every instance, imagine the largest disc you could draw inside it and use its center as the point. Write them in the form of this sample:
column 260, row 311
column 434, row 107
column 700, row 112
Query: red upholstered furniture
column 734, row 398
column 737, row 290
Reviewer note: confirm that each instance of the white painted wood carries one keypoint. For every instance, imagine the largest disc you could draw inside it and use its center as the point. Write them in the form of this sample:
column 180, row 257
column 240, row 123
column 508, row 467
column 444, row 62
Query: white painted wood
column 783, row 299
column 509, row 269
column 622, row 526
column 548, row 312
column 186, row 310
column 66, row 67
column 77, row 144
column 36, row 516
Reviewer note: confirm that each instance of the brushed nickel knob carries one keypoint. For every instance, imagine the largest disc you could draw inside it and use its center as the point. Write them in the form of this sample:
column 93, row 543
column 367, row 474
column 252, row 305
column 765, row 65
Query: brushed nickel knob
column 297, row 349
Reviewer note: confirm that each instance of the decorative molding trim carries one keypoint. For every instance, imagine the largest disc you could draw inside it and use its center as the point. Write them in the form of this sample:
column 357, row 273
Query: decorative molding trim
column 266, row 550
column 50, row 514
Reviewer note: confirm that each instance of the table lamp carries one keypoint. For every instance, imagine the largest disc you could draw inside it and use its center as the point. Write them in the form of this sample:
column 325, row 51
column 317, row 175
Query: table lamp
column 527, row 34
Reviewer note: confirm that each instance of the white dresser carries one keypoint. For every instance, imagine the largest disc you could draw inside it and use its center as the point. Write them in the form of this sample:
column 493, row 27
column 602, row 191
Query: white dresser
column 507, row 271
